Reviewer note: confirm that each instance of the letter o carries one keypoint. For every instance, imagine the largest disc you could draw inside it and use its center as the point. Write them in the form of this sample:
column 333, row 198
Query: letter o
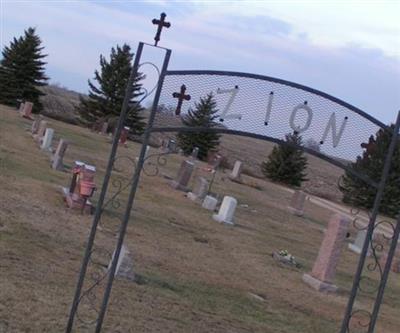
column 293, row 116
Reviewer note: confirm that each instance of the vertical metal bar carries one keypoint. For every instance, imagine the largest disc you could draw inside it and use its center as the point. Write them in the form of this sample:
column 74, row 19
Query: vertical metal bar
column 371, row 226
column 99, row 207
column 132, row 195
column 385, row 276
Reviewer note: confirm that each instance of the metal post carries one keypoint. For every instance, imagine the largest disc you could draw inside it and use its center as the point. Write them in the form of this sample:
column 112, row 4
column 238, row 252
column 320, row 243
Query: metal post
column 371, row 226
column 132, row 195
column 385, row 276
column 99, row 207
column 382, row 285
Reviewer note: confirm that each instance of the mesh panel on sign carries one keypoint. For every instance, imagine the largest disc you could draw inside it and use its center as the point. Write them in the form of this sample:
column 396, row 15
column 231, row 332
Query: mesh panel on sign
column 272, row 108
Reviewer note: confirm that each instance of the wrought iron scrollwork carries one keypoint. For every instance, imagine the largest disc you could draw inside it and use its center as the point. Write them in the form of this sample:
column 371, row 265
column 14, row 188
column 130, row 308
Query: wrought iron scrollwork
column 153, row 162
column 359, row 319
column 88, row 299
column 370, row 280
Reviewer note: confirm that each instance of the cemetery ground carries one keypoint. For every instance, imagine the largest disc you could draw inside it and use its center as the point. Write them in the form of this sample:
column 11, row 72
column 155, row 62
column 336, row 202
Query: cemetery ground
column 197, row 275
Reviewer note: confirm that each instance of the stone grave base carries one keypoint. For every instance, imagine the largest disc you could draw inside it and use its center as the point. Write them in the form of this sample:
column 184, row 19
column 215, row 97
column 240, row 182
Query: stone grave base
column 357, row 250
column 76, row 204
column 295, row 211
column 319, row 285
column 236, row 179
column 28, row 117
column 354, row 248
column 37, row 138
column 193, row 197
column 218, row 218
column 179, row 187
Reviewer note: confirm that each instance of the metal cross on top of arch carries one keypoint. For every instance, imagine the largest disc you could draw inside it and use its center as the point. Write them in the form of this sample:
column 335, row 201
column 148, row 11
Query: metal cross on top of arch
column 261, row 107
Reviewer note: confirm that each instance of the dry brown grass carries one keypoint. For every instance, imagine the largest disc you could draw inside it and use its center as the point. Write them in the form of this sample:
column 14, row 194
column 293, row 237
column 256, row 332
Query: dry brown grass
column 198, row 274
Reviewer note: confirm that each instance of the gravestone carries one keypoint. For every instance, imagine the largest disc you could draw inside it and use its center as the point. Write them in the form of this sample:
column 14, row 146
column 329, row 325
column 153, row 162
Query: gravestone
column 359, row 242
column 104, row 128
column 324, row 269
column 296, row 206
column 47, row 139
column 124, row 267
column 172, row 146
column 81, row 173
column 214, row 160
column 145, row 154
column 236, row 171
column 35, row 125
column 21, row 108
column 41, row 130
column 57, row 158
column 27, row 110
column 210, row 203
column 195, row 152
column 200, row 189
column 124, row 135
column 183, row 177
column 226, row 211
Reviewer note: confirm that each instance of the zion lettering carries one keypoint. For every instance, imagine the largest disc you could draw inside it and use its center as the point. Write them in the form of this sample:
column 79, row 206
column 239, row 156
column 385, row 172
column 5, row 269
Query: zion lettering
column 332, row 127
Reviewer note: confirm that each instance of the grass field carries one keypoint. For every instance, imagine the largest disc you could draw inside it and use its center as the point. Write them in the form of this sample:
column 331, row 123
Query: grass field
column 196, row 275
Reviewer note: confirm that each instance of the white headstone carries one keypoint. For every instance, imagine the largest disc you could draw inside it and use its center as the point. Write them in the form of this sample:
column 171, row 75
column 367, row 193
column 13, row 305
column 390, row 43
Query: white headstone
column 195, row 152
column 359, row 242
column 145, row 154
column 47, row 139
column 210, row 203
column 124, row 265
column 21, row 108
column 237, row 170
column 226, row 211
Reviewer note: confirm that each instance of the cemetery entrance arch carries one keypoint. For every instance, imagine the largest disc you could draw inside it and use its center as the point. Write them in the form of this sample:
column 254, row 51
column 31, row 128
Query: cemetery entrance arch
column 265, row 108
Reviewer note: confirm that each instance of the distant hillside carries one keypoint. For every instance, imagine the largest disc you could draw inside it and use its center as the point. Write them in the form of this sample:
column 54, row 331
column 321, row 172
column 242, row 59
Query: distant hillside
column 60, row 103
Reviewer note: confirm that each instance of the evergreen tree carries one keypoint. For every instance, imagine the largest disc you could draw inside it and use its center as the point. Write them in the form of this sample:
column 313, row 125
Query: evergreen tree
column 203, row 115
column 105, row 100
column 357, row 192
column 286, row 164
column 22, row 70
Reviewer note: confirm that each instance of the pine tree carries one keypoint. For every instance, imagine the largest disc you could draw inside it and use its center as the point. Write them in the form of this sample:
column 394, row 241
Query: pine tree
column 357, row 192
column 22, row 71
column 286, row 164
column 203, row 115
column 105, row 100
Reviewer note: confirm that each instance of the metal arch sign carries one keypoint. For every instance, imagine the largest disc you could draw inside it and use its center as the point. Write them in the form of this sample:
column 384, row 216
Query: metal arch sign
column 269, row 108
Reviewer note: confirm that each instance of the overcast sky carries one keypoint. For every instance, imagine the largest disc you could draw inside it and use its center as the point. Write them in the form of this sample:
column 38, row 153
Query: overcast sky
column 350, row 49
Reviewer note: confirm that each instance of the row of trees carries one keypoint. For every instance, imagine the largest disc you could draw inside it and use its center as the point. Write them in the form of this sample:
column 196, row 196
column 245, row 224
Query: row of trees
column 22, row 73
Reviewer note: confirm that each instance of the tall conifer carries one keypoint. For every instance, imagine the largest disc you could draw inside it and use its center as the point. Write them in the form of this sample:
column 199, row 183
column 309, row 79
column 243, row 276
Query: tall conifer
column 22, row 70
column 203, row 115
column 286, row 164
column 106, row 97
column 359, row 193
